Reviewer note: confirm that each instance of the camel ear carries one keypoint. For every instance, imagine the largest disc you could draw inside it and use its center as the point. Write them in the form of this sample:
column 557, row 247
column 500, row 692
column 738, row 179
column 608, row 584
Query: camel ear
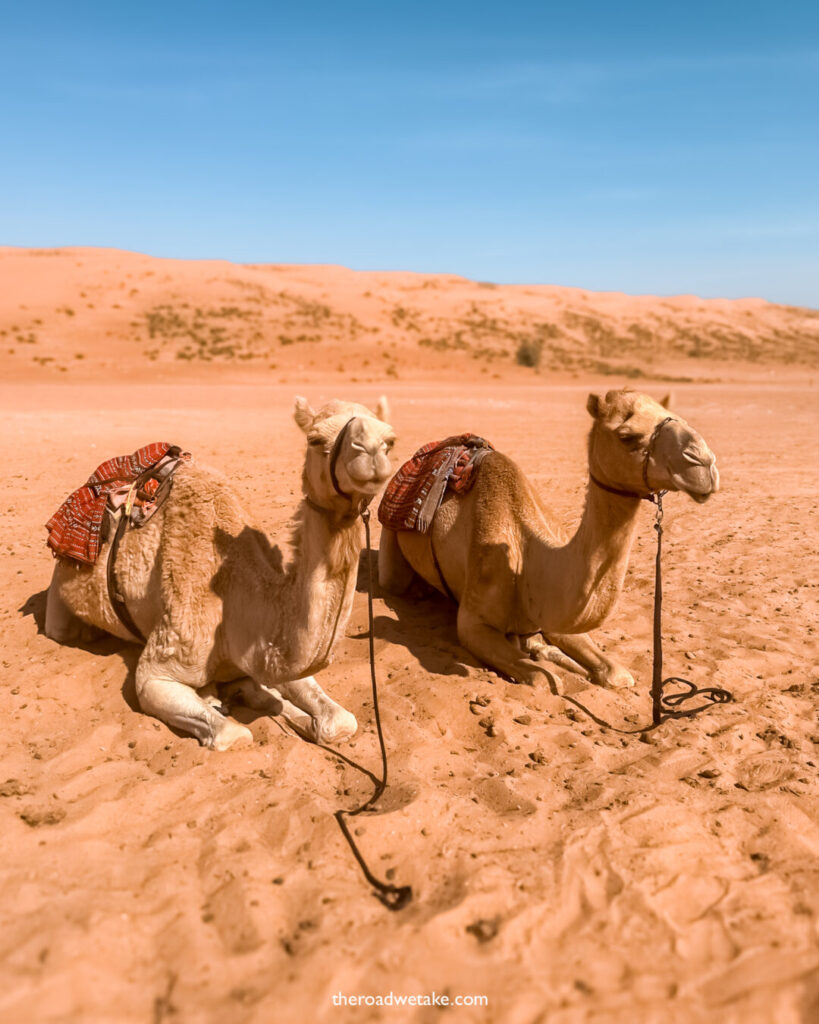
column 382, row 409
column 594, row 404
column 303, row 414
column 666, row 402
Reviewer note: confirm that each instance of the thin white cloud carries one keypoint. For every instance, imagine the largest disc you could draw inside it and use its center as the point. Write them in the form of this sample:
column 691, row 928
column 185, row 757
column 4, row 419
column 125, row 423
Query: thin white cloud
column 568, row 82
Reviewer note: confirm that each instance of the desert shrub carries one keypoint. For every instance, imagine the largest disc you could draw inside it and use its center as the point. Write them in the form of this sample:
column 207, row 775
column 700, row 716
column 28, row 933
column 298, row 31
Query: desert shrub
column 529, row 352
column 442, row 344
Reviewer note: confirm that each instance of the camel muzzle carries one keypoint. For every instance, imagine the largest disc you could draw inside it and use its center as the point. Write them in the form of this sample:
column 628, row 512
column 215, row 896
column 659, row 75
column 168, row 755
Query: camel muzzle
column 700, row 482
column 693, row 466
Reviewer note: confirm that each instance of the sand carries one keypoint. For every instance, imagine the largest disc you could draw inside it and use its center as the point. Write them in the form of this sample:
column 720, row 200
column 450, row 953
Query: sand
column 566, row 872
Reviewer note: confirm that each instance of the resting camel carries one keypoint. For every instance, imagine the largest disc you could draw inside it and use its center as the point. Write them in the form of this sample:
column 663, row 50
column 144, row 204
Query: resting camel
column 517, row 576
column 214, row 599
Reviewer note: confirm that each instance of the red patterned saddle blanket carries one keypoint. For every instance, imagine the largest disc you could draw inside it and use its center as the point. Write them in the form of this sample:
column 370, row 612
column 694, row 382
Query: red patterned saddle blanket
column 75, row 529
column 415, row 493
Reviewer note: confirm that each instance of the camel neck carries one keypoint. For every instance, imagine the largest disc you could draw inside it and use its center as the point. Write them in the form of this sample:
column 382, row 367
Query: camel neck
column 322, row 581
column 596, row 558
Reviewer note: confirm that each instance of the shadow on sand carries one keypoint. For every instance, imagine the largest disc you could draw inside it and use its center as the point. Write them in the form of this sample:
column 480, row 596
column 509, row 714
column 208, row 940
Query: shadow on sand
column 96, row 642
column 425, row 624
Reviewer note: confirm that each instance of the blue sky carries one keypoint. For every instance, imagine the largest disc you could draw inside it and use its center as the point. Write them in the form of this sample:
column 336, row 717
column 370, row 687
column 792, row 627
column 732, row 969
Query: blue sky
column 655, row 147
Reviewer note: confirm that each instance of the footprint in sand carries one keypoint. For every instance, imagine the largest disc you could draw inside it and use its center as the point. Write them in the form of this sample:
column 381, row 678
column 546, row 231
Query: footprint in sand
column 761, row 771
column 227, row 909
column 499, row 797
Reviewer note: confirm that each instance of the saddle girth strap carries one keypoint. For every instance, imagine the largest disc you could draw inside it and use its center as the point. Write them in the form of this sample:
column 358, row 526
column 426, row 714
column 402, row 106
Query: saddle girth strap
column 114, row 592
column 114, row 595
column 440, row 571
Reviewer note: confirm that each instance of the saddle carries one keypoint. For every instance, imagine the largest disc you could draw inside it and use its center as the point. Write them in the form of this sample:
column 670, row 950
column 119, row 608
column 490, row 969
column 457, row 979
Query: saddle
column 415, row 493
column 122, row 492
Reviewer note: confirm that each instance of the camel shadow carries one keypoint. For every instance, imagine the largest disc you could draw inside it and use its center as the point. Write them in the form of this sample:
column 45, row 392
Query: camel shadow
column 35, row 606
column 425, row 626
column 94, row 642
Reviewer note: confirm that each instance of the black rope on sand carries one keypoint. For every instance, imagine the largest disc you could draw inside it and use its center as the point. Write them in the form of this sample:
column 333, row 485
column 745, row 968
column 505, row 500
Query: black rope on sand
column 394, row 897
column 664, row 706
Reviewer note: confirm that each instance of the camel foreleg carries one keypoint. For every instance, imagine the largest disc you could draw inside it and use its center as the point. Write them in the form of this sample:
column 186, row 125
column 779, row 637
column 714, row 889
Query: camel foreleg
column 270, row 701
column 181, row 707
column 496, row 650
column 603, row 671
column 305, row 706
column 536, row 647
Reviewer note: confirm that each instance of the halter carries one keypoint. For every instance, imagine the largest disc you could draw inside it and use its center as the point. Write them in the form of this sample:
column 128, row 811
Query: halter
column 354, row 512
column 339, row 441
column 652, row 493
column 664, row 706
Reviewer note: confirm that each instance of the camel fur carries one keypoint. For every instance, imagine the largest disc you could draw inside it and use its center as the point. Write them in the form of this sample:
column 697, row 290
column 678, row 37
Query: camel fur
column 528, row 593
column 216, row 601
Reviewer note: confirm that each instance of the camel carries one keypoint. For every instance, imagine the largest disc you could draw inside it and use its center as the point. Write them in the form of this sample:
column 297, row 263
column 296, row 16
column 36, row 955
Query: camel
column 527, row 592
column 215, row 601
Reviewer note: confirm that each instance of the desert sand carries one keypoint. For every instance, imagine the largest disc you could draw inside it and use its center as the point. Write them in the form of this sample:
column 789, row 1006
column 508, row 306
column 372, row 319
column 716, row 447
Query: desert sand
column 567, row 872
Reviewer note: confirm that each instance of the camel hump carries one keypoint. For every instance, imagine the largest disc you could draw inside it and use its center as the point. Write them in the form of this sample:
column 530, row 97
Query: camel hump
column 498, row 499
column 205, row 496
column 500, row 476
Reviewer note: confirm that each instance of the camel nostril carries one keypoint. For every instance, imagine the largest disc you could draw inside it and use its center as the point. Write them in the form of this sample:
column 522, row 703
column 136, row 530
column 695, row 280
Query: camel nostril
column 697, row 458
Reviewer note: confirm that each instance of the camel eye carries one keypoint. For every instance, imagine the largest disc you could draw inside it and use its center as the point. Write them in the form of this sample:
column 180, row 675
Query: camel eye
column 629, row 438
column 389, row 444
column 315, row 442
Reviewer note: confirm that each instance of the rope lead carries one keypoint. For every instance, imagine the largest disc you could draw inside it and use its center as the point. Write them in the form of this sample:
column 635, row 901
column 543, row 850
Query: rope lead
column 394, row 897
column 663, row 705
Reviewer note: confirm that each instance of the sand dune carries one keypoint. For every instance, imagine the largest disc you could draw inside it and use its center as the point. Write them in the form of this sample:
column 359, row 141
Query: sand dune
column 76, row 311
column 567, row 872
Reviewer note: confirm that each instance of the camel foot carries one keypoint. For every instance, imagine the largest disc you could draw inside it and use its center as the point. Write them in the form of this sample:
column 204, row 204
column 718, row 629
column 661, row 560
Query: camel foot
column 231, row 734
column 327, row 721
column 336, row 726
column 615, row 678
column 324, row 722
column 328, row 728
column 601, row 669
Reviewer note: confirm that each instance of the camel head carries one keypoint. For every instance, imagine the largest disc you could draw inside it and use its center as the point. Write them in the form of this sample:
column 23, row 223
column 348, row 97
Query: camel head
column 349, row 441
column 637, row 446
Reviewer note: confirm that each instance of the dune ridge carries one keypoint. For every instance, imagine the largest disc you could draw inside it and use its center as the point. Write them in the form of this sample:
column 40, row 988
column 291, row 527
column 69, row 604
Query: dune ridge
column 74, row 310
